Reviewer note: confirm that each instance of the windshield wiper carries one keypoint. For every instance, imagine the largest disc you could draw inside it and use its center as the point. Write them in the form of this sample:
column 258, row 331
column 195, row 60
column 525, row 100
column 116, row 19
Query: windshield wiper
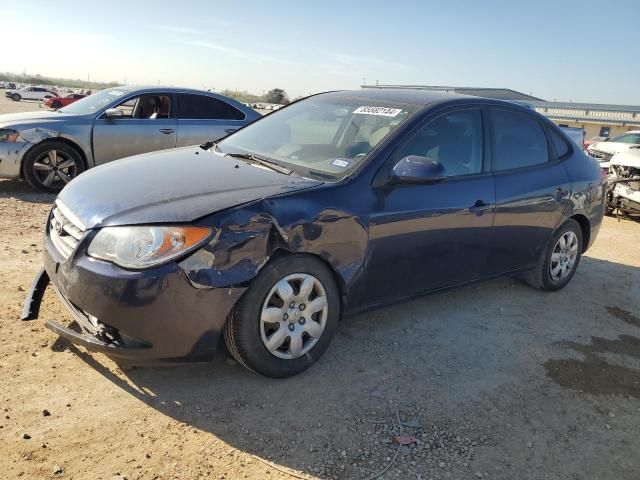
column 262, row 161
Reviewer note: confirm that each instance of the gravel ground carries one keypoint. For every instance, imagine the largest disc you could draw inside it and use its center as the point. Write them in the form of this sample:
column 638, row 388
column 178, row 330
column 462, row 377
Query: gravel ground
column 493, row 381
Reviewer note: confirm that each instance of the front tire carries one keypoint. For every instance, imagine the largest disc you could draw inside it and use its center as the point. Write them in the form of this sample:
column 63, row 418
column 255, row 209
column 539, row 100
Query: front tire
column 285, row 321
column 15, row 97
column 48, row 167
column 560, row 259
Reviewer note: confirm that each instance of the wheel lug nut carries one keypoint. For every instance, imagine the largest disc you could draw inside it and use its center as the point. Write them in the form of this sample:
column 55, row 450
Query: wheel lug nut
column 285, row 316
column 291, row 327
column 302, row 306
column 292, row 305
column 302, row 321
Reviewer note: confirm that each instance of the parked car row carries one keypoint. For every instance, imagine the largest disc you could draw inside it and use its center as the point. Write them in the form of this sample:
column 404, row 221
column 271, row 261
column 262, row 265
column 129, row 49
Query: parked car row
column 49, row 149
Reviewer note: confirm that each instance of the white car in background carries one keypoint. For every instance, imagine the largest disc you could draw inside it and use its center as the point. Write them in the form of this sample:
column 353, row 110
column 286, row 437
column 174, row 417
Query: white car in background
column 30, row 93
column 603, row 151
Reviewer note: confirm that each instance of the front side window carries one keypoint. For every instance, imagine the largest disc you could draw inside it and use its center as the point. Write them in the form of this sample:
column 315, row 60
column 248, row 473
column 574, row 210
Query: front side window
column 201, row 107
column 328, row 135
column 453, row 140
column 150, row 106
column 518, row 139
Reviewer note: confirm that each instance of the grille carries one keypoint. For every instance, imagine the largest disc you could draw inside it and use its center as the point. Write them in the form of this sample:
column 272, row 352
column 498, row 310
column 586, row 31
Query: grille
column 599, row 155
column 65, row 233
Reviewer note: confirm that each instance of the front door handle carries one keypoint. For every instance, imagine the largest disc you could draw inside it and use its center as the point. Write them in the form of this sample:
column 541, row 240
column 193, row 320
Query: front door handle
column 230, row 130
column 167, row 131
column 479, row 207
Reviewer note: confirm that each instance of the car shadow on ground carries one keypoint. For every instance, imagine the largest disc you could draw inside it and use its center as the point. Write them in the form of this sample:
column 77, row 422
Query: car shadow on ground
column 443, row 352
column 20, row 190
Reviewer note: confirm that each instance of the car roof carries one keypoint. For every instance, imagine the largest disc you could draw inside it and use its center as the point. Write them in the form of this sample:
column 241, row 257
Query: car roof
column 160, row 88
column 417, row 97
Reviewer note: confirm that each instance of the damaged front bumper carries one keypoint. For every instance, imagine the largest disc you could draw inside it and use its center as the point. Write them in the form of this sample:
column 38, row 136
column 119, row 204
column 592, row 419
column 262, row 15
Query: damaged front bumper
column 144, row 317
column 11, row 154
column 89, row 333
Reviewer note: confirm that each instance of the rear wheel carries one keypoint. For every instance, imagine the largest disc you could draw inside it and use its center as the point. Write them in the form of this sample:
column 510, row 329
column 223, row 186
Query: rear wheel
column 559, row 261
column 287, row 318
column 16, row 97
column 48, row 167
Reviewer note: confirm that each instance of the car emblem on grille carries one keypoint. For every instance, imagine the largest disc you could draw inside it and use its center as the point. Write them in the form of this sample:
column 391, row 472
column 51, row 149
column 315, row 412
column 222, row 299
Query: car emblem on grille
column 57, row 226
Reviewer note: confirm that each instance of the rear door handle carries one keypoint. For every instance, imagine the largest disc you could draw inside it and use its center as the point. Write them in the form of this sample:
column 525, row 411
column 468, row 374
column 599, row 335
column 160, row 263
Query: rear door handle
column 230, row 130
column 167, row 131
column 479, row 207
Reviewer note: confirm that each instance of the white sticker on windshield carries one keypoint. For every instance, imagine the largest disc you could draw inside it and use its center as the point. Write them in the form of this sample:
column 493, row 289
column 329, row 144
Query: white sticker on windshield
column 339, row 162
column 382, row 111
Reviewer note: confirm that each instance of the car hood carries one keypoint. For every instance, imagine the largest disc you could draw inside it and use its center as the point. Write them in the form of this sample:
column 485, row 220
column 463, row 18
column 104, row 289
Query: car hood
column 26, row 118
column 628, row 158
column 178, row 185
column 610, row 147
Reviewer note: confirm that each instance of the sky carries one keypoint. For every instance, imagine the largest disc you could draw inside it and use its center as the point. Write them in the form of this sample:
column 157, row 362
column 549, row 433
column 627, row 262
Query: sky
column 581, row 51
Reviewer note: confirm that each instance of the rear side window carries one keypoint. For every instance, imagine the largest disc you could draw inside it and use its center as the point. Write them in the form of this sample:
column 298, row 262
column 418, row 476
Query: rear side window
column 518, row 140
column 559, row 144
column 202, row 107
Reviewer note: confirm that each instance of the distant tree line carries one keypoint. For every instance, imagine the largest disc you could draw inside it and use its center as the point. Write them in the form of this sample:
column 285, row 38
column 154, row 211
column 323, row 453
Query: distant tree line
column 38, row 79
column 275, row 95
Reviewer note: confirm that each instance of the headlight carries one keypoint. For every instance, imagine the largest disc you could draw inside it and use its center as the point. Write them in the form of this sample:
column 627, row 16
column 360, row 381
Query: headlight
column 144, row 247
column 8, row 135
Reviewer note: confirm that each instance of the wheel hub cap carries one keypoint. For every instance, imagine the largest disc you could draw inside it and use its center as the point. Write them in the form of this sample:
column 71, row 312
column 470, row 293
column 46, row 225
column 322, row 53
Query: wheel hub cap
column 293, row 316
column 563, row 256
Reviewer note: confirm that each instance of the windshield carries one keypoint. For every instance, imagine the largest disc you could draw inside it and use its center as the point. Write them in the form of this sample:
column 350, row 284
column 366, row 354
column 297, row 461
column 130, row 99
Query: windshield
column 95, row 102
column 627, row 138
column 327, row 136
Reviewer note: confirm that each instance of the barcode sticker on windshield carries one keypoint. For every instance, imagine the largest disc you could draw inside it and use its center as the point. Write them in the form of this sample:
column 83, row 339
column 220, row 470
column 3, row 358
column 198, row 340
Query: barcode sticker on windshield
column 382, row 111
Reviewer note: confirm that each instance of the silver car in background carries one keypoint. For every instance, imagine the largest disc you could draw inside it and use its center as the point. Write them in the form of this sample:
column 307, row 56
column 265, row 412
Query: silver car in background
column 48, row 149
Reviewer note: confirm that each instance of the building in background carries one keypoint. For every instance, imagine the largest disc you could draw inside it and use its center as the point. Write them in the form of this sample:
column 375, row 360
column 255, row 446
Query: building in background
column 597, row 120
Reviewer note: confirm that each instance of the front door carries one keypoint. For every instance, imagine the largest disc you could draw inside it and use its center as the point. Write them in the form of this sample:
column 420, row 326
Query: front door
column 147, row 124
column 423, row 237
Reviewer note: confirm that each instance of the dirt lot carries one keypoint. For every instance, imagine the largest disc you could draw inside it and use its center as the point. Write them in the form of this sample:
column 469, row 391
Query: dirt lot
column 495, row 380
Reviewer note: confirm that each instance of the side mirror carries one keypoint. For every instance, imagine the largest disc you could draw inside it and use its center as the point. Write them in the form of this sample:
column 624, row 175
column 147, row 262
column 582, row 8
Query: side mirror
column 416, row 169
column 113, row 113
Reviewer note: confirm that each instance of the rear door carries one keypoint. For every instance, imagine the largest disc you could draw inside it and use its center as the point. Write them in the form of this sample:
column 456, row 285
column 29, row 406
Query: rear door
column 532, row 189
column 203, row 118
column 148, row 124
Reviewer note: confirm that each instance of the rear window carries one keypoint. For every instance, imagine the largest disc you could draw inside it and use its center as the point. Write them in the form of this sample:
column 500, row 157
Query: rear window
column 560, row 145
column 202, row 107
column 519, row 140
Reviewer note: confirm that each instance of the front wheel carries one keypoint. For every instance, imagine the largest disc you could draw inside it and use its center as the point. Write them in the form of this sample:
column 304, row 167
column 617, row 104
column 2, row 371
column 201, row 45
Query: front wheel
column 559, row 261
column 16, row 97
column 286, row 319
column 48, row 167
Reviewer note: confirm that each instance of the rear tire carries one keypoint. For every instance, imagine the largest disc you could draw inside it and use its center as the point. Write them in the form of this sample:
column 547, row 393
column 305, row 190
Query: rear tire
column 559, row 260
column 279, row 330
column 49, row 166
column 15, row 97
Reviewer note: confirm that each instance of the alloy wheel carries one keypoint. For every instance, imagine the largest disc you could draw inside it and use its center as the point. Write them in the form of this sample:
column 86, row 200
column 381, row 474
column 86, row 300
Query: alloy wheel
column 563, row 257
column 54, row 167
column 293, row 316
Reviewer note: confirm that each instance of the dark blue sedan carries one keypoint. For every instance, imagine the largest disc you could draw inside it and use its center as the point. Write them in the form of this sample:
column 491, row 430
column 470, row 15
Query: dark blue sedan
column 340, row 202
